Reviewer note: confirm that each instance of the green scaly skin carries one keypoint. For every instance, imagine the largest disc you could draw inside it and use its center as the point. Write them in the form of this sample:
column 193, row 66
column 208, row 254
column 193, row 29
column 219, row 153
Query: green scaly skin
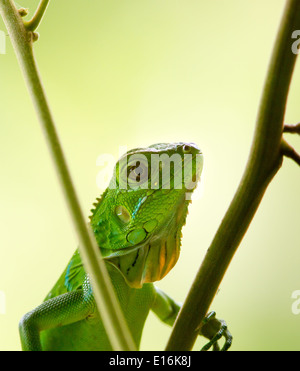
column 138, row 230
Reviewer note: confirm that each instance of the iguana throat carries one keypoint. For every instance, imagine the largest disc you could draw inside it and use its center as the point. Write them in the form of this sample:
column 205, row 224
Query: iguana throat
column 138, row 227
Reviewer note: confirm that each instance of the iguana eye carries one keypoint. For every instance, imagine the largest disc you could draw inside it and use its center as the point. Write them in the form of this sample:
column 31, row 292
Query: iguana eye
column 123, row 214
column 133, row 171
column 137, row 172
column 186, row 148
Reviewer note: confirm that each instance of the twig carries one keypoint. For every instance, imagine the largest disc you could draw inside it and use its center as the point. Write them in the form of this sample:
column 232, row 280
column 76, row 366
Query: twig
column 288, row 151
column 264, row 161
column 293, row 129
column 33, row 24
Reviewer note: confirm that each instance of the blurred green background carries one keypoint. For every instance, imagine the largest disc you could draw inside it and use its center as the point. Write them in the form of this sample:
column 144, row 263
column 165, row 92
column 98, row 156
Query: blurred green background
column 133, row 73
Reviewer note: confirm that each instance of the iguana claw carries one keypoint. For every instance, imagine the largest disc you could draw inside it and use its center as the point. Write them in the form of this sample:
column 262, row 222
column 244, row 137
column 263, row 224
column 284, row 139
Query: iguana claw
column 213, row 329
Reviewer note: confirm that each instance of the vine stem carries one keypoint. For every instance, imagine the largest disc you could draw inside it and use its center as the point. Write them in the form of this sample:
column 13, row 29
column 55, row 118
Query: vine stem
column 264, row 161
column 37, row 17
column 107, row 303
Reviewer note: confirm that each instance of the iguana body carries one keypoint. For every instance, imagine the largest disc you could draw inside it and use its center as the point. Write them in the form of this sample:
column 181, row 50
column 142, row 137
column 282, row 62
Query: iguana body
column 137, row 224
column 89, row 333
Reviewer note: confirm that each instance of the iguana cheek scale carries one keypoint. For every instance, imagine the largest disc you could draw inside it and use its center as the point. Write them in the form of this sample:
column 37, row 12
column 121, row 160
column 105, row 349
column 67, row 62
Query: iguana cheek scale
column 138, row 230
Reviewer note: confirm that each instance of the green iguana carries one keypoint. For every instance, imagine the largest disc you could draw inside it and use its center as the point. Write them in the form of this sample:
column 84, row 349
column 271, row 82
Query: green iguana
column 137, row 224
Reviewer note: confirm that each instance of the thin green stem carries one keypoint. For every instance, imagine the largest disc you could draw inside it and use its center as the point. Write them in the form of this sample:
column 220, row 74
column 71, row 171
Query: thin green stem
column 264, row 161
column 112, row 316
column 33, row 24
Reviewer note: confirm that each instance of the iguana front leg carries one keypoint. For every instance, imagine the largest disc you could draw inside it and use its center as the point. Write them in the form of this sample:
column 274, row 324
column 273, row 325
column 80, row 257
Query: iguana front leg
column 212, row 328
column 59, row 311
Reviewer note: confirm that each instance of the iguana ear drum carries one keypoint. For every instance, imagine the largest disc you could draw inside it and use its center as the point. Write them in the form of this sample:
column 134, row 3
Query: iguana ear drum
column 123, row 214
column 148, row 263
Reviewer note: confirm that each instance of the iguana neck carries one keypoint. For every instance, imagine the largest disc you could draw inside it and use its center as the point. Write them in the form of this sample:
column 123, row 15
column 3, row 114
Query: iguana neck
column 150, row 260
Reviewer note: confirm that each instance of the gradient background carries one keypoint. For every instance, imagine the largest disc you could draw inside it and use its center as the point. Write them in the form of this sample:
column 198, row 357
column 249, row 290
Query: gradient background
column 133, row 73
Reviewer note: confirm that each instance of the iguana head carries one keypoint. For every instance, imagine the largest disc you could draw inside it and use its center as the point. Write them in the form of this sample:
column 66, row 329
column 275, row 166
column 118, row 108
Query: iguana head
column 138, row 220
